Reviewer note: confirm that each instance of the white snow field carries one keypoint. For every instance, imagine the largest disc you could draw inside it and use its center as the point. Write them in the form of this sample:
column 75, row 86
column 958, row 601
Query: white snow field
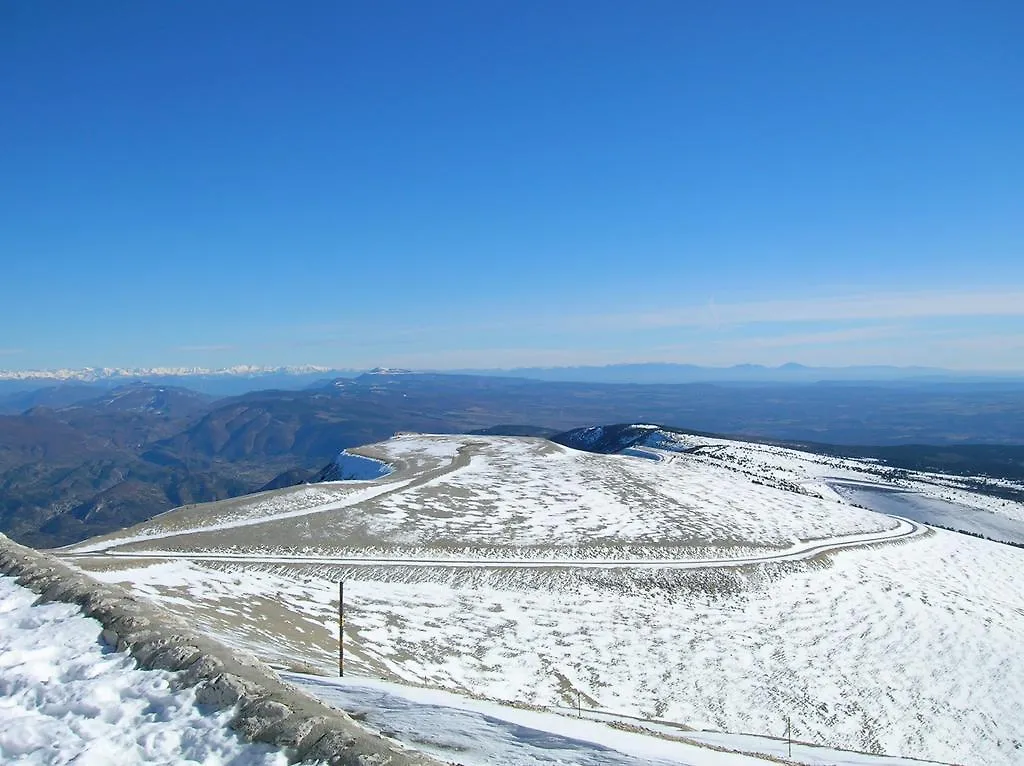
column 513, row 496
column 479, row 732
column 67, row 698
column 723, row 590
column 948, row 501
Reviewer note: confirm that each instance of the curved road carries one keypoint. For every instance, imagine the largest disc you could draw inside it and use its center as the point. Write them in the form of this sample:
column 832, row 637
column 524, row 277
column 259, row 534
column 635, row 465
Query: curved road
column 905, row 529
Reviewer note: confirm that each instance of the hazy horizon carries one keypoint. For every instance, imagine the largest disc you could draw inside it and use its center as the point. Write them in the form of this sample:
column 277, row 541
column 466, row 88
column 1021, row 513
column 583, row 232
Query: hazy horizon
column 791, row 367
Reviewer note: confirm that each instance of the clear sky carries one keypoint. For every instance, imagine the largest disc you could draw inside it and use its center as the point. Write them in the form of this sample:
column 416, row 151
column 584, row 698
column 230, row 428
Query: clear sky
column 500, row 183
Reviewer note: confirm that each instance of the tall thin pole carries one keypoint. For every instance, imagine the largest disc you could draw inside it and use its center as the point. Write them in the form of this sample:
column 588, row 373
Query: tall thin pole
column 789, row 735
column 341, row 628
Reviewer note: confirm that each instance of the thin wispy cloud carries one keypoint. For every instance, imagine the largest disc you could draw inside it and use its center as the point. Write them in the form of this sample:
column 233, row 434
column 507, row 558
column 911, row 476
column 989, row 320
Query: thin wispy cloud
column 461, row 358
column 927, row 327
column 871, row 307
column 212, row 348
column 710, row 315
column 990, row 344
column 850, row 335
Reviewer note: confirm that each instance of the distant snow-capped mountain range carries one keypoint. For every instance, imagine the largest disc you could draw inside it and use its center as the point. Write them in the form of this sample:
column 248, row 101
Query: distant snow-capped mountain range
column 658, row 372
column 87, row 374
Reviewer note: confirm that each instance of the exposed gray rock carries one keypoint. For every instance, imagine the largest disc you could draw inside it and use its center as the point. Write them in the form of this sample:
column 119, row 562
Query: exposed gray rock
column 258, row 718
column 226, row 690
column 137, row 641
column 175, row 658
column 204, row 668
column 300, row 731
column 174, row 648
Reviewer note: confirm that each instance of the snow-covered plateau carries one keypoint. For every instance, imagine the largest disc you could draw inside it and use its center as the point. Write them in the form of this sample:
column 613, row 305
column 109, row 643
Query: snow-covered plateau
column 720, row 589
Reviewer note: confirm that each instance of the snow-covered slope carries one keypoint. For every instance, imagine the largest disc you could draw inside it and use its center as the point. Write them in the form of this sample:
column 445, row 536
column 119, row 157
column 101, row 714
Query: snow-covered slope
column 720, row 585
column 948, row 501
column 67, row 698
column 477, row 732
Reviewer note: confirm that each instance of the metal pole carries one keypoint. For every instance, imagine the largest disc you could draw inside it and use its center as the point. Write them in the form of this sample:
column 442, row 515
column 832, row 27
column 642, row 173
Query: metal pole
column 341, row 628
column 789, row 735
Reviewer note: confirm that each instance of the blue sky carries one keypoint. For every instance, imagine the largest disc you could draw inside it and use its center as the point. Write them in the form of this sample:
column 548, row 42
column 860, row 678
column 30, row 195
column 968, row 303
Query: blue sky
column 478, row 184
